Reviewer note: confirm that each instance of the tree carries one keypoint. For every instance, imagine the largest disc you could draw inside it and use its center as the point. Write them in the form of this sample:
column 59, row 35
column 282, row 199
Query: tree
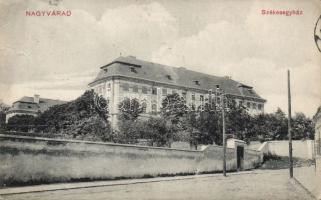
column 84, row 118
column 23, row 123
column 156, row 131
column 209, row 123
column 238, row 122
column 129, row 126
column 302, row 127
column 130, row 109
column 173, row 110
column 3, row 109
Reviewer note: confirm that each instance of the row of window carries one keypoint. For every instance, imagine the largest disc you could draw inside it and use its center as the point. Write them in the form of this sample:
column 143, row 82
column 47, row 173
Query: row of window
column 164, row 91
column 100, row 89
column 154, row 91
column 252, row 105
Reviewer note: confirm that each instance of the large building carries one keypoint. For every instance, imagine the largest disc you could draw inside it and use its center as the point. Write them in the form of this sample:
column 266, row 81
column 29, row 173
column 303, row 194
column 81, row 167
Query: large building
column 31, row 106
column 128, row 77
column 317, row 134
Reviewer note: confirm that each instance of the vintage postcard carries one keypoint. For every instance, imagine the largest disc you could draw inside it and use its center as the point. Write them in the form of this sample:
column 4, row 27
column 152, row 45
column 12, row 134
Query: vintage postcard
column 160, row 99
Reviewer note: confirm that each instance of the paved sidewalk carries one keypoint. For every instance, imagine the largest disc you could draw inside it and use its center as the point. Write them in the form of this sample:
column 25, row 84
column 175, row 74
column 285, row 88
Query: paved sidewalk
column 307, row 177
column 252, row 185
column 78, row 185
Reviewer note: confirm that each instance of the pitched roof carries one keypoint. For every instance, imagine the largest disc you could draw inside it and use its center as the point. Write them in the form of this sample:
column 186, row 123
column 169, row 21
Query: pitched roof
column 181, row 76
column 43, row 105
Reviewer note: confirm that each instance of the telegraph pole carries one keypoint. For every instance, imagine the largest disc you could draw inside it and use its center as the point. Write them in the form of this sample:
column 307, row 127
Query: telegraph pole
column 289, row 128
column 224, row 136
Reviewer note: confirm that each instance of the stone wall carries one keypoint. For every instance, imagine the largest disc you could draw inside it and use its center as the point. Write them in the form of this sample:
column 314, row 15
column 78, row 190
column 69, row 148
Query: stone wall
column 28, row 159
column 301, row 148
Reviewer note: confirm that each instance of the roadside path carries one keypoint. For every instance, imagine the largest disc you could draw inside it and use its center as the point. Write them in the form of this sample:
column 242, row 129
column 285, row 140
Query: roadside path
column 258, row 184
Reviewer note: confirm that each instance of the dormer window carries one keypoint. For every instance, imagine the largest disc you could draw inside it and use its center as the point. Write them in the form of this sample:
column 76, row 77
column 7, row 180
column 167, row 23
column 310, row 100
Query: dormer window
column 168, row 77
column 132, row 69
column 197, row 82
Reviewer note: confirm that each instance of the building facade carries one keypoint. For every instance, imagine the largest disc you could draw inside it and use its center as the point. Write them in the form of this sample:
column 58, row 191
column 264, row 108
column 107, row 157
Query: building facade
column 317, row 133
column 128, row 77
column 31, row 106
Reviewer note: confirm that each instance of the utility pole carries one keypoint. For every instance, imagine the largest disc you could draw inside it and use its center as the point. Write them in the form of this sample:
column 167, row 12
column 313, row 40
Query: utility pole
column 289, row 128
column 224, row 137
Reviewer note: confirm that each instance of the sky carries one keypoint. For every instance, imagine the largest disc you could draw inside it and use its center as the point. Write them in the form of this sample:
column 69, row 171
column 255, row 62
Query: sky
column 57, row 56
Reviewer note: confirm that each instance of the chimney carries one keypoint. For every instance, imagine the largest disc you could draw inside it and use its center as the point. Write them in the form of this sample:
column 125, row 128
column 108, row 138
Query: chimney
column 36, row 98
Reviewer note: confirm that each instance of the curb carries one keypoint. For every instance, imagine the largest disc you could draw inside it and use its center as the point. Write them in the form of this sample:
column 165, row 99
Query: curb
column 69, row 186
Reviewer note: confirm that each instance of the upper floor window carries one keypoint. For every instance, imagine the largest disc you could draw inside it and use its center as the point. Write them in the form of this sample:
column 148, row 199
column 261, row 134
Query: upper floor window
column 164, row 91
column 218, row 100
column 174, row 91
column 144, row 90
column 135, row 88
column 254, row 106
column 201, row 98
column 259, row 106
column 240, row 103
column 193, row 97
column 248, row 104
column 169, row 77
column 154, row 91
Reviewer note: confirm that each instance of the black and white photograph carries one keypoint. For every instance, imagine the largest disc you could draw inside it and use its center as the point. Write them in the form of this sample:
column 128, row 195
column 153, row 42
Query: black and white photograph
column 160, row 99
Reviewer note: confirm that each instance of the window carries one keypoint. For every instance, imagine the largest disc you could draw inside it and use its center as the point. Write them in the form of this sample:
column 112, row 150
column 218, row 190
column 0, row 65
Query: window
column 174, row 91
column 201, row 98
column 144, row 90
column 259, row 106
column 240, row 103
column 193, row 97
column 135, row 88
column 184, row 95
column 168, row 77
column 248, row 104
column 218, row 100
column 108, row 86
column 197, row 82
column 193, row 107
column 254, row 105
column 144, row 106
column 154, row 91
column 106, row 70
column 126, row 87
column 154, row 108
column 132, row 69
column 164, row 91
